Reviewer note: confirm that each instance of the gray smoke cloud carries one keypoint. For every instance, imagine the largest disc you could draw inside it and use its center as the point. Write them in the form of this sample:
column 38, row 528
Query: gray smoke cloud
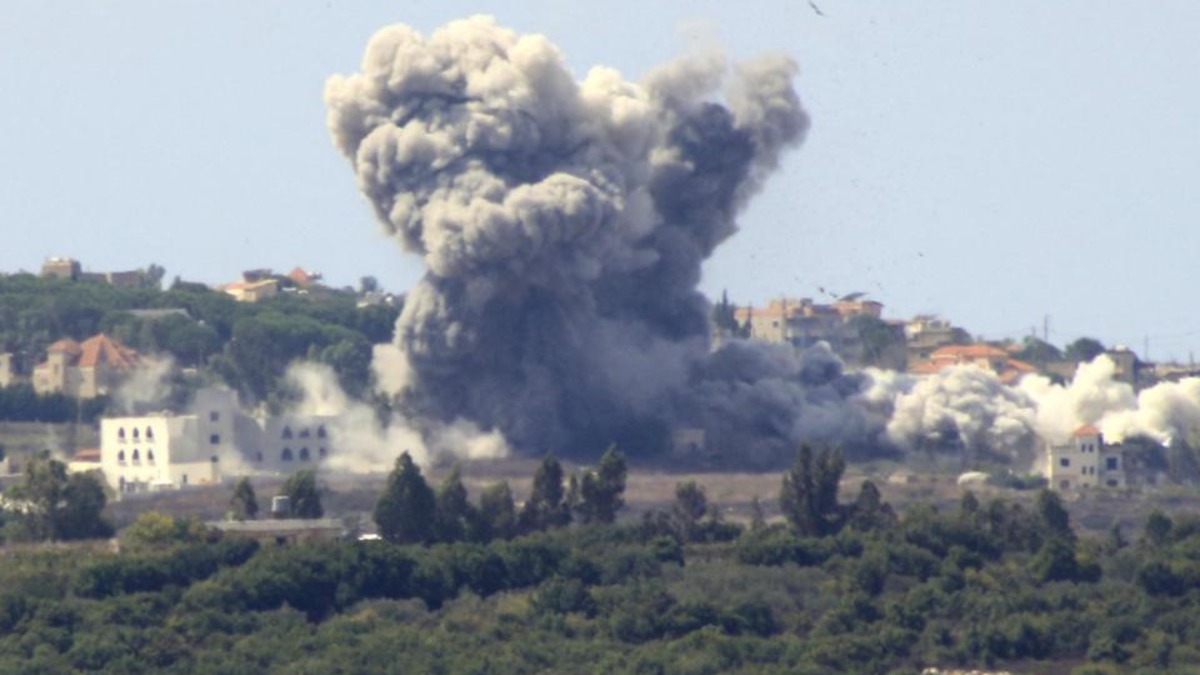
column 563, row 225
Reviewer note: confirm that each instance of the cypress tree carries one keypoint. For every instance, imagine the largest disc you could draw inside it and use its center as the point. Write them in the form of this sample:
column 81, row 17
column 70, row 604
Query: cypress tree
column 406, row 510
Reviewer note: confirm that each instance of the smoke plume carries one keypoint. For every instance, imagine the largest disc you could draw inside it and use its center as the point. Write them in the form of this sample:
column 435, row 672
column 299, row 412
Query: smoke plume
column 147, row 388
column 562, row 225
column 366, row 443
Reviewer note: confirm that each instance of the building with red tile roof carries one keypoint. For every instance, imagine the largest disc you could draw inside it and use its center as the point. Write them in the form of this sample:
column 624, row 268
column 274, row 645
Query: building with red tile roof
column 85, row 369
column 988, row 357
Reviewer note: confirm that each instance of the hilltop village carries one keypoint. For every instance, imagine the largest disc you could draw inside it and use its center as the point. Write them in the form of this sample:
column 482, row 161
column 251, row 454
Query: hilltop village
column 160, row 377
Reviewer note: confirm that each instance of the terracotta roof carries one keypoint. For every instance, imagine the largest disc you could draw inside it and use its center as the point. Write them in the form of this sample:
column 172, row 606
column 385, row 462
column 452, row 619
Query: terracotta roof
column 65, row 345
column 87, row 455
column 970, row 351
column 1017, row 364
column 303, row 277
column 1086, row 430
column 103, row 350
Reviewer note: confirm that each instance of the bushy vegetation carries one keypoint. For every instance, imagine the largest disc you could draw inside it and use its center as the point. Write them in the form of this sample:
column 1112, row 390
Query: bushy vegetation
column 840, row 586
column 245, row 344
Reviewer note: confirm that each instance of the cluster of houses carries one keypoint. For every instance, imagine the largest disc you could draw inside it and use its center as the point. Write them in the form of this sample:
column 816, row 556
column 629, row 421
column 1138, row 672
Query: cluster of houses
column 215, row 438
column 922, row 345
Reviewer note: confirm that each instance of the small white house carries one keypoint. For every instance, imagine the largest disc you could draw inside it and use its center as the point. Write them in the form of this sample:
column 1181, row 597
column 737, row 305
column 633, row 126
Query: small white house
column 1085, row 461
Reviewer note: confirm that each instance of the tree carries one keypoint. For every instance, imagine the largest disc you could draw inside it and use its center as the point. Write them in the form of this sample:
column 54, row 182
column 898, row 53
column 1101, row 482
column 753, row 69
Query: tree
column 869, row 511
column 152, row 276
column 876, row 336
column 406, row 509
column 155, row 530
column 368, row 284
column 808, row 496
column 1084, row 349
column 301, row 491
column 547, row 506
column 58, row 506
column 724, row 317
column 691, row 505
column 1038, row 351
column 1157, row 529
column 83, row 502
column 1053, row 517
column 498, row 512
column 456, row 519
column 601, row 491
column 244, row 501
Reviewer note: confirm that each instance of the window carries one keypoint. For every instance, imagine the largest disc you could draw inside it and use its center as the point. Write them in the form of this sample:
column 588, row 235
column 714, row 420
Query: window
column 321, row 453
column 1112, row 482
column 149, row 434
column 150, row 456
column 258, row 456
column 304, row 456
column 121, row 433
column 1064, row 485
column 1110, row 463
column 184, row 479
column 1065, row 461
column 214, row 416
column 136, row 457
column 321, row 431
column 287, row 454
column 304, row 433
column 135, row 434
column 214, row 439
column 287, row 432
column 121, row 456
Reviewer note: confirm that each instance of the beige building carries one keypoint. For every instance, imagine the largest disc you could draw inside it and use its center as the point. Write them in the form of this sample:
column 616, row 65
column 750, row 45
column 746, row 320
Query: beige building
column 1085, row 461
column 168, row 451
column 89, row 369
column 984, row 356
column 803, row 323
column 926, row 333
column 252, row 291
column 61, row 268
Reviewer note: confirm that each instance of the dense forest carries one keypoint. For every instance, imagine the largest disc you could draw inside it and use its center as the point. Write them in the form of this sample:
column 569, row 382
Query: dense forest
column 246, row 345
column 557, row 586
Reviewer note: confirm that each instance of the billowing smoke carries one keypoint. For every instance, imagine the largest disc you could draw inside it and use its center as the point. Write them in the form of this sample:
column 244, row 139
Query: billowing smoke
column 147, row 388
column 367, row 443
column 563, row 225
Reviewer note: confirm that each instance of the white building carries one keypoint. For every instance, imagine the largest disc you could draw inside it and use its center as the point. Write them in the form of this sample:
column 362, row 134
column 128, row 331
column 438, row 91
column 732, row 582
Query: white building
column 166, row 451
column 1085, row 461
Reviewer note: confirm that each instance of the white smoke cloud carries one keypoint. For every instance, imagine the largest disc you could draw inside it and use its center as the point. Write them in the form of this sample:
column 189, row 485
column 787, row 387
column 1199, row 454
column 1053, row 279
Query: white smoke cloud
column 147, row 387
column 367, row 445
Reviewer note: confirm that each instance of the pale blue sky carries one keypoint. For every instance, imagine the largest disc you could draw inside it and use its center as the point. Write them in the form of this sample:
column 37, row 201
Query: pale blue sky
column 992, row 162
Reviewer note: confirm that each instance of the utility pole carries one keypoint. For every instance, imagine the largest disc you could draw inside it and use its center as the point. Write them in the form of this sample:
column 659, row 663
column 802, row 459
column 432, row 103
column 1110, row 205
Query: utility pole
column 1046, row 328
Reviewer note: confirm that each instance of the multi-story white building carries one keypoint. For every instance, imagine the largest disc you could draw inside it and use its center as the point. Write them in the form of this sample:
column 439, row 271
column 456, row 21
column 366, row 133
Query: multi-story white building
column 165, row 451
column 1085, row 461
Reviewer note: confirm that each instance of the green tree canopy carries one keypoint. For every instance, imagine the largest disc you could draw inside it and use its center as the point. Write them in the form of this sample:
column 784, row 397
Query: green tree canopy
column 58, row 506
column 601, row 491
column 1084, row 349
column 301, row 490
column 244, row 502
column 809, row 494
column 405, row 511
column 547, row 505
column 498, row 512
column 1038, row 351
column 456, row 518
